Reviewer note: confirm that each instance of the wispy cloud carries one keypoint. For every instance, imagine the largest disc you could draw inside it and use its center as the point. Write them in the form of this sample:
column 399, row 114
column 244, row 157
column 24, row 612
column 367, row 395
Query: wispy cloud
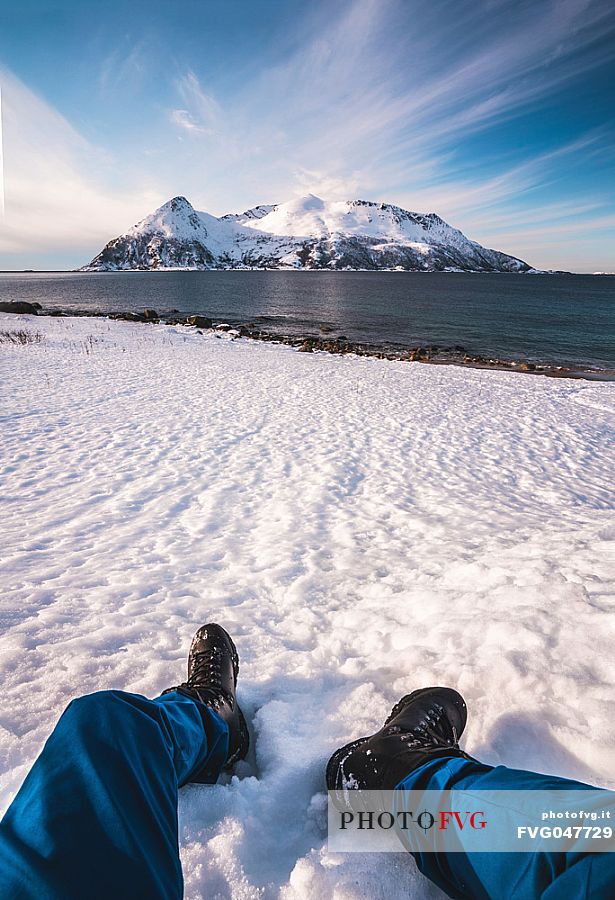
column 323, row 184
column 358, row 97
column 184, row 120
column 482, row 193
column 207, row 112
column 61, row 193
column 1, row 160
column 124, row 67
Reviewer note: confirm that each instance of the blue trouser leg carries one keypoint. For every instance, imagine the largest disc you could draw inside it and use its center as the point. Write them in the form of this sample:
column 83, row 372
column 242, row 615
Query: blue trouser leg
column 96, row 817
column 522, row 876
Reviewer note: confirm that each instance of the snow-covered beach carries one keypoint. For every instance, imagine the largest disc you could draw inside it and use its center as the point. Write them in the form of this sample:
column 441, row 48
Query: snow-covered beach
column 361, row 527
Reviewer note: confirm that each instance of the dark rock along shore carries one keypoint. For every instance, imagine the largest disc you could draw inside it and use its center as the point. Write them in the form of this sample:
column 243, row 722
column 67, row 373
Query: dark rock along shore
column 435, row 354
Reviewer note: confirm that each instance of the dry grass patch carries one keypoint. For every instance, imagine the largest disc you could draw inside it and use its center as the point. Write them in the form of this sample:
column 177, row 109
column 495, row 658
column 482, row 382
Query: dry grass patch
column 20, row 336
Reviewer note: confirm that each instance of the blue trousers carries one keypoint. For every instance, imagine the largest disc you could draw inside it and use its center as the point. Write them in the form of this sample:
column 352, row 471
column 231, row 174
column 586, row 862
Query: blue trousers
column 522, row 876
column 96, row 816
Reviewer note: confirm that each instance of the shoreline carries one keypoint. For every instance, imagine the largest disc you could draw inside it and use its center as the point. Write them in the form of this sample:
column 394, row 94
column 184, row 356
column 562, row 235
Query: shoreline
column 84, row 270
column 310, row 342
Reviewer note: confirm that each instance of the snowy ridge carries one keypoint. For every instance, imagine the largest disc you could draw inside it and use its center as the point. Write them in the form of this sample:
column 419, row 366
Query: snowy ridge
column 304, row 233
column 257, row 212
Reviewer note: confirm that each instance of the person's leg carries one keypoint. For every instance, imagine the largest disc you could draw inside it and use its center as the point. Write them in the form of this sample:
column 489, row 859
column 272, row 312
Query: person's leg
column 417, row 750
column 524, row 876
column 97, row 814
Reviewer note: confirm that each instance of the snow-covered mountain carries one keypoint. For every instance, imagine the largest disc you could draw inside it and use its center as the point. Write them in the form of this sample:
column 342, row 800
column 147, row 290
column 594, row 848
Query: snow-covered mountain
column 305, row 233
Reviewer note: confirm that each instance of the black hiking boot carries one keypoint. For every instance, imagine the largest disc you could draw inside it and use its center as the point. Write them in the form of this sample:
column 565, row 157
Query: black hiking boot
column 424, row 725
column 213, row 665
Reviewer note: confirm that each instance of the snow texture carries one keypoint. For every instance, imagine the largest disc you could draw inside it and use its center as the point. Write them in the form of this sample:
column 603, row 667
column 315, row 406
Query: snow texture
column 306, row 233
column 361, row 527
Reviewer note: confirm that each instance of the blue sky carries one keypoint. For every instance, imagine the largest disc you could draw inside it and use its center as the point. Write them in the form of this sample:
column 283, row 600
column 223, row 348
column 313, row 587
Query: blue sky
column 496, row 115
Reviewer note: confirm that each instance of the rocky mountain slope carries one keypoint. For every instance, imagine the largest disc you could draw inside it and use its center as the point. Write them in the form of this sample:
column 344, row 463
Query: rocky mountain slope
column 305, row 233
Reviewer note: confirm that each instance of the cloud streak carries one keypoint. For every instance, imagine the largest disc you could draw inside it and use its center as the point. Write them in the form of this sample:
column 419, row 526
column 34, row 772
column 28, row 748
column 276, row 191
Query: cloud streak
column 60, row 191
column 1, row 160
column 183, row 119
column 360, row 99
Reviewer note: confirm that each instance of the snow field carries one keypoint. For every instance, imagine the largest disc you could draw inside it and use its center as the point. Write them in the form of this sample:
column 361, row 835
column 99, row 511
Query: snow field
column 362, row 528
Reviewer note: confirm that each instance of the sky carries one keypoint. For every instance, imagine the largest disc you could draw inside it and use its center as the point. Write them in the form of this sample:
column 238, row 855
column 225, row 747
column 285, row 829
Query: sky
column 497, row 115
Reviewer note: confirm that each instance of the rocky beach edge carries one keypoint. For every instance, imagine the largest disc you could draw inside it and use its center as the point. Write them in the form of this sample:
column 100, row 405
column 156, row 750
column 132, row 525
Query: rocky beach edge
column 325, row 341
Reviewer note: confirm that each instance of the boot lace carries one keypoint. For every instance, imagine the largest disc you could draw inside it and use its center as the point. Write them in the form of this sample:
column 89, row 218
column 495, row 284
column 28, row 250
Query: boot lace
column 434, row 729
column 205, row 678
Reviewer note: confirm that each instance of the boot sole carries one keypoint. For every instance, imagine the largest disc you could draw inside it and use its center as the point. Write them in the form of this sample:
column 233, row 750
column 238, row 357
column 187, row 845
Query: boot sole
column 244, row 742
column 244, row 734
column 340, row 754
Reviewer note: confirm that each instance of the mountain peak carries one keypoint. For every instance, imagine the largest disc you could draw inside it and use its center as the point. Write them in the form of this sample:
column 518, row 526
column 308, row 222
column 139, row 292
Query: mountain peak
column 311, row 201
column 178, row 204
column 175, row 218
column 306, row 203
